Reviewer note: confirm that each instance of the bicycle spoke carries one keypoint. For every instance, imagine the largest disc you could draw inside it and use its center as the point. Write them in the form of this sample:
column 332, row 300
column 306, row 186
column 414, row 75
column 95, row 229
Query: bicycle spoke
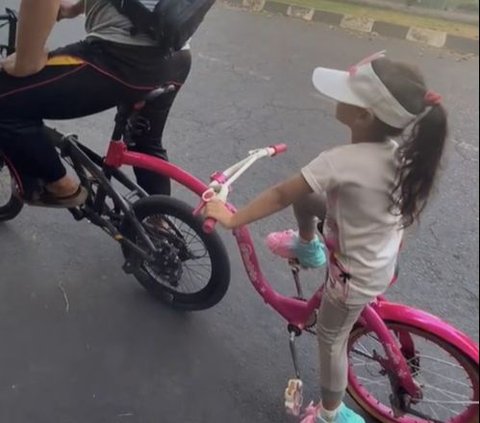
column 375, row 338
column 444, row 408
column 364, row 353
column 197, row 264
column 365, row 350
column 195, row 276
column 451, row 395
column 360, row 363
column 434, row 412
column 422, row 370
column 448, row 385
column 188, row 285
column 431, row 401
column 437, row 360
column 195, row 272
column 372, row 382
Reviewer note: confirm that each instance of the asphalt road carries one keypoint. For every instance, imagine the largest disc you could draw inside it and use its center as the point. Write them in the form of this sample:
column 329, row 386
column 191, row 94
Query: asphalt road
column 115, row 355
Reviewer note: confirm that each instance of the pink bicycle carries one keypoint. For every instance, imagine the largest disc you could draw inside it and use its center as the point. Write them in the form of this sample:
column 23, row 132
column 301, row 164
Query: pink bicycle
column 406, row 366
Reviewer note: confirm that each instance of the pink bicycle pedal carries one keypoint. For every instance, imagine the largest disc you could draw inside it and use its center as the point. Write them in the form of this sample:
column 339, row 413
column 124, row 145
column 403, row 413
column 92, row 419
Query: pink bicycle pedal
column 294, row 397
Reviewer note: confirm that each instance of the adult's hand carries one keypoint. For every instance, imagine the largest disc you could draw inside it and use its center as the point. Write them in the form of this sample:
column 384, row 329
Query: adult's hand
column 36, row 20
column 12, row 68
column 70, row 9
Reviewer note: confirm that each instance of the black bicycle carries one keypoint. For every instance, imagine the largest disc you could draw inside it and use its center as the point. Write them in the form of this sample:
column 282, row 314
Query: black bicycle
column 163, row 243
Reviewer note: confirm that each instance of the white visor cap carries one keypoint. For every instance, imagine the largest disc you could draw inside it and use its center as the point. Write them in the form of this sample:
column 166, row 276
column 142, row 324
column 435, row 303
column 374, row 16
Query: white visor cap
column 362, row 87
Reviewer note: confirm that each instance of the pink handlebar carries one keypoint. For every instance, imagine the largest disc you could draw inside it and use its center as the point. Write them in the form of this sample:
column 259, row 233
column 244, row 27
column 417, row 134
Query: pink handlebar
column 280, row 149
column 210, row 194
column 199, row 209
column 209, row 226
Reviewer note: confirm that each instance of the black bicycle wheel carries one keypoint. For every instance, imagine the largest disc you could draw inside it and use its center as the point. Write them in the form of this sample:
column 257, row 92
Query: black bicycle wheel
column 192, row 271
column 11, row 203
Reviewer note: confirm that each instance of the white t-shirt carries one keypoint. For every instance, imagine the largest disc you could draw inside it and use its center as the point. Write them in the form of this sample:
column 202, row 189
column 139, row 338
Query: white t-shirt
column 362, row 233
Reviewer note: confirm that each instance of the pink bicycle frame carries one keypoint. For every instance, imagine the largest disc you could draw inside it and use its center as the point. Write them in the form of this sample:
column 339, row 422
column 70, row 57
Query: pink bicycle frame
column 298, row 312
column 118, row 155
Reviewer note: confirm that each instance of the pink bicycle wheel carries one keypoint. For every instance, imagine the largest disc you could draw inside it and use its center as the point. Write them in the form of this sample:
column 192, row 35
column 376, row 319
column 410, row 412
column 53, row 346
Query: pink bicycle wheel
column 449, row 379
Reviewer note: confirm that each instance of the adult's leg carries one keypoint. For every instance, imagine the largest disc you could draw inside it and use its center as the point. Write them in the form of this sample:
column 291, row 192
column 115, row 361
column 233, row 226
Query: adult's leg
column 22, row 137
column 24, row 143
column 146, row 128
column 69, row 87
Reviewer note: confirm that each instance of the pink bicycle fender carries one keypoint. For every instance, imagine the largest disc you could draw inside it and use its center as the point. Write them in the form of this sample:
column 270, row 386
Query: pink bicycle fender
column 429, row 323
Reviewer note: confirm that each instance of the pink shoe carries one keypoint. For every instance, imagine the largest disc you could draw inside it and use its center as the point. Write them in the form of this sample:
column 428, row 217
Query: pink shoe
column 288, row 245
column 283, row 244
column 311, row 414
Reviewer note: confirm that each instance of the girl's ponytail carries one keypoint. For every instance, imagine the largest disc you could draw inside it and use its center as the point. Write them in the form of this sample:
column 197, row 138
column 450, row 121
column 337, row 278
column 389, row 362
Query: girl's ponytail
column 420, row 158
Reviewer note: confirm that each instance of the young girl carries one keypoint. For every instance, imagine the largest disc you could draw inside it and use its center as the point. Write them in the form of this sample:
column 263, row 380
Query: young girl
column 367, row 192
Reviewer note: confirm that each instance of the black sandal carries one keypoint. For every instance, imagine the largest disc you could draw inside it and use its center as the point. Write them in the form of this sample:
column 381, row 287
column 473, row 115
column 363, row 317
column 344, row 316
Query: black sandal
column 45, row 198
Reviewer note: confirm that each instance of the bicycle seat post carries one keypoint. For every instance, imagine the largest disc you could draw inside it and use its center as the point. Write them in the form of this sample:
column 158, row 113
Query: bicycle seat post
column 121, row 119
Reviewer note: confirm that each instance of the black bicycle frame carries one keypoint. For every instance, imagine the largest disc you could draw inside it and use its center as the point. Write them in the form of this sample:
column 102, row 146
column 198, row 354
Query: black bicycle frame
column 85, row 160
column 11, row 20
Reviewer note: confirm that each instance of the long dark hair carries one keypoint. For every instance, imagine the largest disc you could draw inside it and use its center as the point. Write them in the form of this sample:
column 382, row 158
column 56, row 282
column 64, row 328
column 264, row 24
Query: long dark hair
column 422, row 147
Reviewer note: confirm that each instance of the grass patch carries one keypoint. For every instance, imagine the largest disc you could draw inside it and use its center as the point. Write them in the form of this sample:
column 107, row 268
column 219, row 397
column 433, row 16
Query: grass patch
column 391, row 16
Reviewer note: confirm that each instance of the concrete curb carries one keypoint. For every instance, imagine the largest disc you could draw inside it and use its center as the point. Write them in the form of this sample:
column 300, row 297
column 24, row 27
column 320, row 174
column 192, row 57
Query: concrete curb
column 426, row 36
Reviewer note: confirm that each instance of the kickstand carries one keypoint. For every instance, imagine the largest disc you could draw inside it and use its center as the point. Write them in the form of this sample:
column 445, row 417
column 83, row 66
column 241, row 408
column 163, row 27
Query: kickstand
column 294, row 391
column 294, row 334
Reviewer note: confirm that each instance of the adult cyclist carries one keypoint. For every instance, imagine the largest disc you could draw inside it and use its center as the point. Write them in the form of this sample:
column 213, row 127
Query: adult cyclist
column 112, row 66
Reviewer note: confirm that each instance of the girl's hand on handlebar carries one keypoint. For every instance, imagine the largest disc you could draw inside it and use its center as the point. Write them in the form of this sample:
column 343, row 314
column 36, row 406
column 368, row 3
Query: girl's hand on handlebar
column 217, row 210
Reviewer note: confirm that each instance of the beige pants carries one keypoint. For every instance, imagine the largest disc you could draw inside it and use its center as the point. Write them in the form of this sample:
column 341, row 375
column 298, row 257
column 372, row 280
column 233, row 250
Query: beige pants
column 336, row 316
column 336, row 320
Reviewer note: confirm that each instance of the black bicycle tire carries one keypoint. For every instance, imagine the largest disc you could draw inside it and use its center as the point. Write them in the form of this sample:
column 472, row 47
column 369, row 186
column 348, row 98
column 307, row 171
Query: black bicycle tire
column 12, row 208
column 219, row 281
